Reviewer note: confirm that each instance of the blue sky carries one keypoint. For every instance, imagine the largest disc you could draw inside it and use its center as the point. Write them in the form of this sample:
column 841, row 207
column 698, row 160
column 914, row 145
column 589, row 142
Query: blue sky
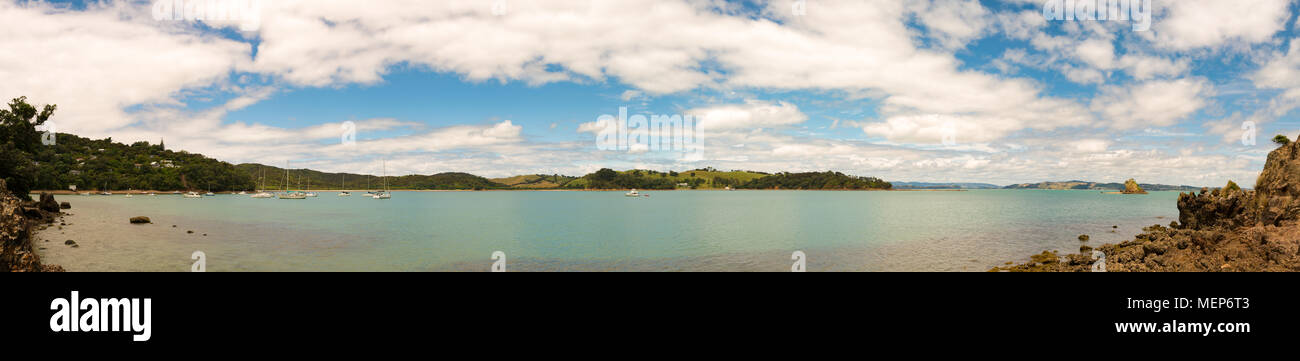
column 907, row 90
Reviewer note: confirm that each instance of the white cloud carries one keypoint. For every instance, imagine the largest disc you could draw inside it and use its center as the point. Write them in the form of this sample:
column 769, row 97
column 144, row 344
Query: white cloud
column 98, row 61
column 952, row 23
column 1155, row 103
column 752, row 114
column 1193, row 24
column 1143, row 67
column 1090, row 145
column 1283, row 71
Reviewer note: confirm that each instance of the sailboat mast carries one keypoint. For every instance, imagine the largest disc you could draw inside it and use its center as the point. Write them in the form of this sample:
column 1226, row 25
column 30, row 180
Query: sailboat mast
column 286, row 176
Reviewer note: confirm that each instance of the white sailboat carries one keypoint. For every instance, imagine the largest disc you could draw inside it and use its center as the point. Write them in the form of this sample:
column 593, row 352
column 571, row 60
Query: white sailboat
column 384, row 194
column 309, row 193
column 287, row 194
column 633, row 193
column 344, row 193
column 193, row 195
column 263, row 193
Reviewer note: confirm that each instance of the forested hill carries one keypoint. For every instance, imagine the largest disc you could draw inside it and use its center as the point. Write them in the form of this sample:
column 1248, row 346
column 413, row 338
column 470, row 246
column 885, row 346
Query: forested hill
column 817, row 181
column 105, row 164
column 312, row 179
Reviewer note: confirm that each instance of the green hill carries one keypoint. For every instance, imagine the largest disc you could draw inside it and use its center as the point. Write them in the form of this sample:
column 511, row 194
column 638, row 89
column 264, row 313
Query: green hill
column 536, row 181
column 312, row 179
column 817, row 181
column 704, row 178
column 105, row 164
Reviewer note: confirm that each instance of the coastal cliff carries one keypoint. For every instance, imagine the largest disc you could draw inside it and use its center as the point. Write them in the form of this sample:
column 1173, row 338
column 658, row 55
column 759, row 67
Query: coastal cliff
column 1227, row 229
column 16, row 220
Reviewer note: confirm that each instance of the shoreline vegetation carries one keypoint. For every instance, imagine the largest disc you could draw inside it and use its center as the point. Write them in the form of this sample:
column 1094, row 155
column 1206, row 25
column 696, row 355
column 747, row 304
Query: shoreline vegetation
column 142, row 167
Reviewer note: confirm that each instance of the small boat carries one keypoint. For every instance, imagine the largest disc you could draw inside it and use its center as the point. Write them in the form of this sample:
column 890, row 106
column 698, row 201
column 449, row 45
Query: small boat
column 345, row 185
column 242, row 193
column 633, row 193
column 262, row 193
column 128, row 195
column 209, row 194
column 287, row 193
column 384, row 194
column 311, row 194
column 344, row 194
column 193, row 195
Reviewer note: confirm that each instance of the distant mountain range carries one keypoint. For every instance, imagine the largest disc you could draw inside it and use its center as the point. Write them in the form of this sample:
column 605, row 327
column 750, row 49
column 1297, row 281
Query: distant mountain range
column 926, row 185
column 1085, row 185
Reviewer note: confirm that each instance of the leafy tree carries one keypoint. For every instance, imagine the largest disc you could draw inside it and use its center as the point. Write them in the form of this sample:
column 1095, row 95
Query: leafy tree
column 1281, row 140
column 18, row 140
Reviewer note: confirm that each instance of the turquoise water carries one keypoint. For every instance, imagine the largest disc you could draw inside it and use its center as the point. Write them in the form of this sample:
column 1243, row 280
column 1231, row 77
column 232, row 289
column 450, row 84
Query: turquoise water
column 597, row 231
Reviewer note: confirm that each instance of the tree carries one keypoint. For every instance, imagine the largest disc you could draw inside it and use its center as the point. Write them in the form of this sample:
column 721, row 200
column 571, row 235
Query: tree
column 18, row 140
column 606, row 174
column 1281, row 140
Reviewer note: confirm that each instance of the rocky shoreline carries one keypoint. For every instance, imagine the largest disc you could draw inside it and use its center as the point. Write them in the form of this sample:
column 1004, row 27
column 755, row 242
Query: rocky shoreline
column 1222, row 230
column 18, row 219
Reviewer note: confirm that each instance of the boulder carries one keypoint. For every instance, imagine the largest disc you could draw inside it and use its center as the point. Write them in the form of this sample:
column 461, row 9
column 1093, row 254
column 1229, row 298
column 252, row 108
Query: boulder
column 140, row 220
column 47, row 203
column 65, row 205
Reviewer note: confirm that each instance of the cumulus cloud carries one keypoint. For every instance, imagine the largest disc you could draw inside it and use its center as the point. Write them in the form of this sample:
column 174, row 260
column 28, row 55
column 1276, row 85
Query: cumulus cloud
column 1190, row 24
column 98, row 61
column 753, row 114
column 1154, row 103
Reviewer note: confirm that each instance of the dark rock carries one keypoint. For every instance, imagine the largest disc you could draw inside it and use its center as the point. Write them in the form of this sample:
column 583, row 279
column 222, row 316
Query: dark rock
column 189, row 231
column 33, row 213
column 1083, row 238
column 70, row 242
column 65, row 205
column 140, row 220
column 47, row 203
column 16, row 218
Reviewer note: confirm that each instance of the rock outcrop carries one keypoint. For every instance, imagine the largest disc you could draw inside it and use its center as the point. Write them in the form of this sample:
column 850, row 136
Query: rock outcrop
column 1226, row 229
column 1131, row 187
column 16, row 220
column 47, row 203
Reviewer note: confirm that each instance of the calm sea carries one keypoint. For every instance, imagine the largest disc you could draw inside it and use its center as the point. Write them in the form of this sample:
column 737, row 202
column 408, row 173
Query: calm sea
column 596, row 231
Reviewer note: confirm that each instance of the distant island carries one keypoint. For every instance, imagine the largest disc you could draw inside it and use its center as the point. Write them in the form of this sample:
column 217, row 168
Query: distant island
column 1116, row 187
column 927, row 185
